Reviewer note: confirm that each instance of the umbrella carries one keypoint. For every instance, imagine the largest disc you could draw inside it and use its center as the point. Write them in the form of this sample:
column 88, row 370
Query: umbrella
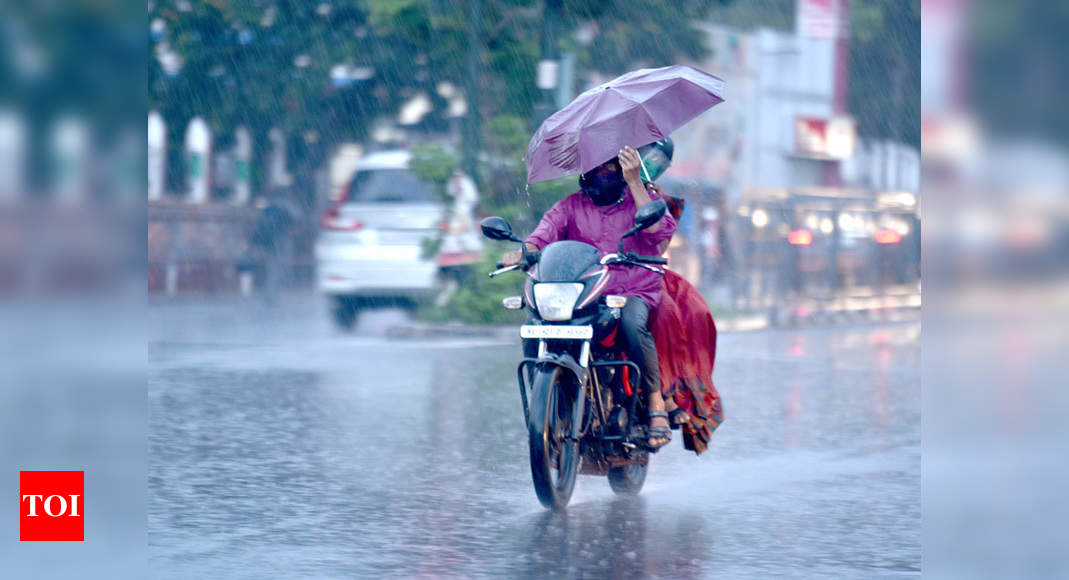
column 637, row 108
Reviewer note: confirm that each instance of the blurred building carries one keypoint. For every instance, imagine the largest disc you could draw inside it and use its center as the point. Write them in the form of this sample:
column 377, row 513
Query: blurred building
column 776, row 128
column 790, row 203
column 199, row 228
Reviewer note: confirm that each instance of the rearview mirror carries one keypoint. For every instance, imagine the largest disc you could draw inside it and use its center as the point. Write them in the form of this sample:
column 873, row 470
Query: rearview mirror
column 497, row 228
column 645, row 217
column 650, row 214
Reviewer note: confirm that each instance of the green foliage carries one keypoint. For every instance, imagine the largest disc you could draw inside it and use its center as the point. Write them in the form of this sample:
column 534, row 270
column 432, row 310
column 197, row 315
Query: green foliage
column 265, row 64
column 478, row 301
column 774, row 14
column 508, row 194
column 240, row 58
column 542, row 195
column 428, row 247
column 384, row 14
column 634, row 34
column 1017, row 71
column 509, row 135
column 433, row 164
column 885, row 51
column 69, row 58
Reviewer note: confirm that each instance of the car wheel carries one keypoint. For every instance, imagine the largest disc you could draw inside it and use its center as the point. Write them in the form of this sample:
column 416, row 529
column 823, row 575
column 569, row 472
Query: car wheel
column 344, row 312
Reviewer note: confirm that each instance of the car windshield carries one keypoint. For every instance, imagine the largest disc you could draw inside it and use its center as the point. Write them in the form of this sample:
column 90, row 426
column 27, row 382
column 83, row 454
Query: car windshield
column 389, row 186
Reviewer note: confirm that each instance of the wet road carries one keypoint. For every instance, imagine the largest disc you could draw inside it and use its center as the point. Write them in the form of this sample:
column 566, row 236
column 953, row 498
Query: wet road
column 279, row 448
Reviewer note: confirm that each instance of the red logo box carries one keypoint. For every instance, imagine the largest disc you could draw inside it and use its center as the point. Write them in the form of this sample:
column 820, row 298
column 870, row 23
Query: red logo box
column 52, row 506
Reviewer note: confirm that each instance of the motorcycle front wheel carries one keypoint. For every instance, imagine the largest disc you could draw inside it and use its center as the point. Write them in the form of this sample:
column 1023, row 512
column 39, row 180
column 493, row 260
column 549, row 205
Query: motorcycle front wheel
column 554, row 454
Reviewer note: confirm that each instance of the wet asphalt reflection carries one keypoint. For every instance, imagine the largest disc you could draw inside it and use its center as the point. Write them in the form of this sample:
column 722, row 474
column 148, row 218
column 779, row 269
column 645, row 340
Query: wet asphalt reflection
column 281, row 448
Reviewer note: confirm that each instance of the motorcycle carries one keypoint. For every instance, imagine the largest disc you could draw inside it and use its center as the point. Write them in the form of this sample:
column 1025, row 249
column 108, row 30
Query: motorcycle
column 582, row 400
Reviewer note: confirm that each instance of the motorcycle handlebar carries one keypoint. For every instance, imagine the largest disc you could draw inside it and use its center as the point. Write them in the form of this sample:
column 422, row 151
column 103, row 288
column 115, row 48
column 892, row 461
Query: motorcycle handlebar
column 500, row 271
column 649, row 259
column 532, row 259
column 632, row 259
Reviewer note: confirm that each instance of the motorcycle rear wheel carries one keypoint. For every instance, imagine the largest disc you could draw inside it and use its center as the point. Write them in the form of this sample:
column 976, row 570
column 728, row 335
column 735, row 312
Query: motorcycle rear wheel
column 554, row 457
column 627, row 479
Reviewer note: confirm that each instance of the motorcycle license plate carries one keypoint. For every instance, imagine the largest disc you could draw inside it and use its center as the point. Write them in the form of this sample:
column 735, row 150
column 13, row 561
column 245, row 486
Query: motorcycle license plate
column 557, row 332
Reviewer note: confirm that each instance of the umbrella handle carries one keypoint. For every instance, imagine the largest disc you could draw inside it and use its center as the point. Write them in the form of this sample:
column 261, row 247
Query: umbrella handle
column 644, row 172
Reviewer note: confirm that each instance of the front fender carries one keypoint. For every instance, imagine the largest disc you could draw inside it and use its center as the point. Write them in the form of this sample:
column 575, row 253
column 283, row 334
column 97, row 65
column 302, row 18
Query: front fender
column 547, row 379
column 545, row 366
column 566, row 361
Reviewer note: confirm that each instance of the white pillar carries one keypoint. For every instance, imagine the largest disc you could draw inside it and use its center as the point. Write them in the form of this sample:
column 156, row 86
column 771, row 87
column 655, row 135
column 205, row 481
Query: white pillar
column 170, row 279
column 12, row 157
column 242, row 166
column 245, row 283
column 70, row 167
column 157, row 156
column 342, row 165
column 125, row 175
column 198, row 158
column 278, row 174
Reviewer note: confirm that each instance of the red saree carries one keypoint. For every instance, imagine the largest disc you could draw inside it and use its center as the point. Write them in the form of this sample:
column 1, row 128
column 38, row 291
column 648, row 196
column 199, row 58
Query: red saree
column 685, row 334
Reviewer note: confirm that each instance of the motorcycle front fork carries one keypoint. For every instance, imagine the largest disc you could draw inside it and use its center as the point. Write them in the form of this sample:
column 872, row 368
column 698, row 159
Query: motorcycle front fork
column 522, row 376
column 525, row 387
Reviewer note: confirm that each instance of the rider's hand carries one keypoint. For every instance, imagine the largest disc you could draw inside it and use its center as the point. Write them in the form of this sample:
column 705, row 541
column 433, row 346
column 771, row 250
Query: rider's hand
column 512, row 258
column 630, row 164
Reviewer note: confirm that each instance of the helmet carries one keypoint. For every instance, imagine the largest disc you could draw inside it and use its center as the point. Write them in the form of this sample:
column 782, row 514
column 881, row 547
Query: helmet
column 656, row 157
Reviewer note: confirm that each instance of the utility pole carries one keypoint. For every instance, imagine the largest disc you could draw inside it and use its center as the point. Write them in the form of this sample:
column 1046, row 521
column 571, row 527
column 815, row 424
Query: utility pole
column 898, row 98
column 839, row 106
column 833, row 176
column 548, row 76
column 472, row 90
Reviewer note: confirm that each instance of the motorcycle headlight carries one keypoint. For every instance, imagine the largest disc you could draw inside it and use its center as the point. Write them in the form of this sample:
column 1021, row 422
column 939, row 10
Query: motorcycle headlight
column 555, row 302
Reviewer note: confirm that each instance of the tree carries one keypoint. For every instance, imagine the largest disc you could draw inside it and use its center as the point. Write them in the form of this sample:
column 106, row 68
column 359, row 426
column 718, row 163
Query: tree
column 265, row 64
column 885, row 71
column 632, row 34
column 884, row 81
column 1016, row 68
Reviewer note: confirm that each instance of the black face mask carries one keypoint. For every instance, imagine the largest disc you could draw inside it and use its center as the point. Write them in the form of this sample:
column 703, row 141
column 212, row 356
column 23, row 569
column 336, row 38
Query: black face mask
column 603, row 188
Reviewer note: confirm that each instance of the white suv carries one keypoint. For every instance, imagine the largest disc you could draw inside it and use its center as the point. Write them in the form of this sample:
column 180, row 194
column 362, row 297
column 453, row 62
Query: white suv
column 372, row 241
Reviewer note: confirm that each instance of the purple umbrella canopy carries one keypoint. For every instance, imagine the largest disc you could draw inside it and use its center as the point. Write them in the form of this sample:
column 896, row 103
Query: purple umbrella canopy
column 637, row 108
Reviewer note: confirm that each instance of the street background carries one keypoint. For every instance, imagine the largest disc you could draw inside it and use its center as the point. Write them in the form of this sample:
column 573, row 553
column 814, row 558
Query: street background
column 75, row 258
column 316, row 410
column 802, row 189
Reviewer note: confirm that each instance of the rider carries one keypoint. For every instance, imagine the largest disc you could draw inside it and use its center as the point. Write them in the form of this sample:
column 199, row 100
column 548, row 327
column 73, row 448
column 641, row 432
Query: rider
column 599, row 214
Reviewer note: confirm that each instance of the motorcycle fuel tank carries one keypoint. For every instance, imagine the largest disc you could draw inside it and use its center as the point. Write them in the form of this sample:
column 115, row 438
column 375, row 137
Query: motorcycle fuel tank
column 566, row 261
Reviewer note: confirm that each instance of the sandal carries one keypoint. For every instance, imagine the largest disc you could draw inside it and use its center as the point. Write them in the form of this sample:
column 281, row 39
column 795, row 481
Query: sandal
column 659, row 432
column 678, row 417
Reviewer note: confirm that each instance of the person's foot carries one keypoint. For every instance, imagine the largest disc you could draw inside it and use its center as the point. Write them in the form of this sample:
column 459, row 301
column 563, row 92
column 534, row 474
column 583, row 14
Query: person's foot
column 659, row 431
column 677, row 417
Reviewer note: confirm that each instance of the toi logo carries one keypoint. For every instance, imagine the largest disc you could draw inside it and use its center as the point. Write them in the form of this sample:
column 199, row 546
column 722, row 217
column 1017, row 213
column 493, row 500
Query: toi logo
column 51, row 506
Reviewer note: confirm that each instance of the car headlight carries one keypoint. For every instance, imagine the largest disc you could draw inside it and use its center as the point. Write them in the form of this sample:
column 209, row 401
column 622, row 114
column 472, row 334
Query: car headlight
column 555, row 302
